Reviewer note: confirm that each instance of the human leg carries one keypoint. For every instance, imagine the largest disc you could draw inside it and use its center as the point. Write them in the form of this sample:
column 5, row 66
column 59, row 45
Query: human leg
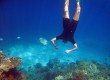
column 66, row 11
column 77, row 13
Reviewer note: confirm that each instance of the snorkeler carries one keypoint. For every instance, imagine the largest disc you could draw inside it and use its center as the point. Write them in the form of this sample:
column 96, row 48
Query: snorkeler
column 68, row 27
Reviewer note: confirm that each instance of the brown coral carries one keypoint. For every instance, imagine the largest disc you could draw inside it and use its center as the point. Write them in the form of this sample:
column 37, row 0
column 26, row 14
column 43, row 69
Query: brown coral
column 6, row 64
column 8, row 70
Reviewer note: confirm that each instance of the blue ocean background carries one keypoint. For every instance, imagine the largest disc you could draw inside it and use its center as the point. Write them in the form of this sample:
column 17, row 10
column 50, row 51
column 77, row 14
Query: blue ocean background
column 32, row 19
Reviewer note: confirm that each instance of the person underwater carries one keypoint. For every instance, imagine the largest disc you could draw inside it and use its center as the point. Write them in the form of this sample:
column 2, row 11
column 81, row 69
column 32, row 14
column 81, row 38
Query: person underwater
column 69, row 27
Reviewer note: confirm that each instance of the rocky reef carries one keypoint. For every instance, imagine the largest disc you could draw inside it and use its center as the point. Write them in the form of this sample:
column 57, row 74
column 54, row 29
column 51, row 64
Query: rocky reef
column 8, row 68
column 81, row 70
column 53, row 70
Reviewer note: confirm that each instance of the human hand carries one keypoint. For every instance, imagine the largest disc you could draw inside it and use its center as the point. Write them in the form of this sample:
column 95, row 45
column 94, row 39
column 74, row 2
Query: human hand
column 67, row 51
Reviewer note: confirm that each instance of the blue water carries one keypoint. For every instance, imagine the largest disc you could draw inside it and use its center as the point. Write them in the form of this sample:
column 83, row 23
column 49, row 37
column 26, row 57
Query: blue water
column 32, row 19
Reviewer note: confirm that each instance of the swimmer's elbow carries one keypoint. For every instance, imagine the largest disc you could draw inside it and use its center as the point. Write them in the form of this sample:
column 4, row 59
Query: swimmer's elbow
column 53, row 39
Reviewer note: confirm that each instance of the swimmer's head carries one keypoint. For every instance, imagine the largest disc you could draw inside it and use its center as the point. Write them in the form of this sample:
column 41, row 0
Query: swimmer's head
column 65, row 41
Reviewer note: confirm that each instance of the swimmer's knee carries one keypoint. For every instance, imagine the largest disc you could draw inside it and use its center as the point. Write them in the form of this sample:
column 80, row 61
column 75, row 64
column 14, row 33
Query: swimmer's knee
column 78, row 10
column 66, row 9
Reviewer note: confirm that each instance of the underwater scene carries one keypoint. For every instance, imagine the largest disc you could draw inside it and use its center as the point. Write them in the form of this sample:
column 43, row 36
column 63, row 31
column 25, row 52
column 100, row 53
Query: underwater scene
column 31, row 48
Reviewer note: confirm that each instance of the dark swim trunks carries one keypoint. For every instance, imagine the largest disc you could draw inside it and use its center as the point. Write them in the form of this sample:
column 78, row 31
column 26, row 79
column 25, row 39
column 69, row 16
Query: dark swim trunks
column 69, row 28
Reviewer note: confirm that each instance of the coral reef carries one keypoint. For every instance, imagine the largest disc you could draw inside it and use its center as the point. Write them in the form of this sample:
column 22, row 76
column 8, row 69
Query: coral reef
column 86, row 68
column 56, row 70
column 8, row 68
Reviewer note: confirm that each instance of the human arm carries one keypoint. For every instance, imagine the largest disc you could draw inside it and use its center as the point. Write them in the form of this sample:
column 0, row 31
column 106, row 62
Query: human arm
column 70, row 50
column 53, row 42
